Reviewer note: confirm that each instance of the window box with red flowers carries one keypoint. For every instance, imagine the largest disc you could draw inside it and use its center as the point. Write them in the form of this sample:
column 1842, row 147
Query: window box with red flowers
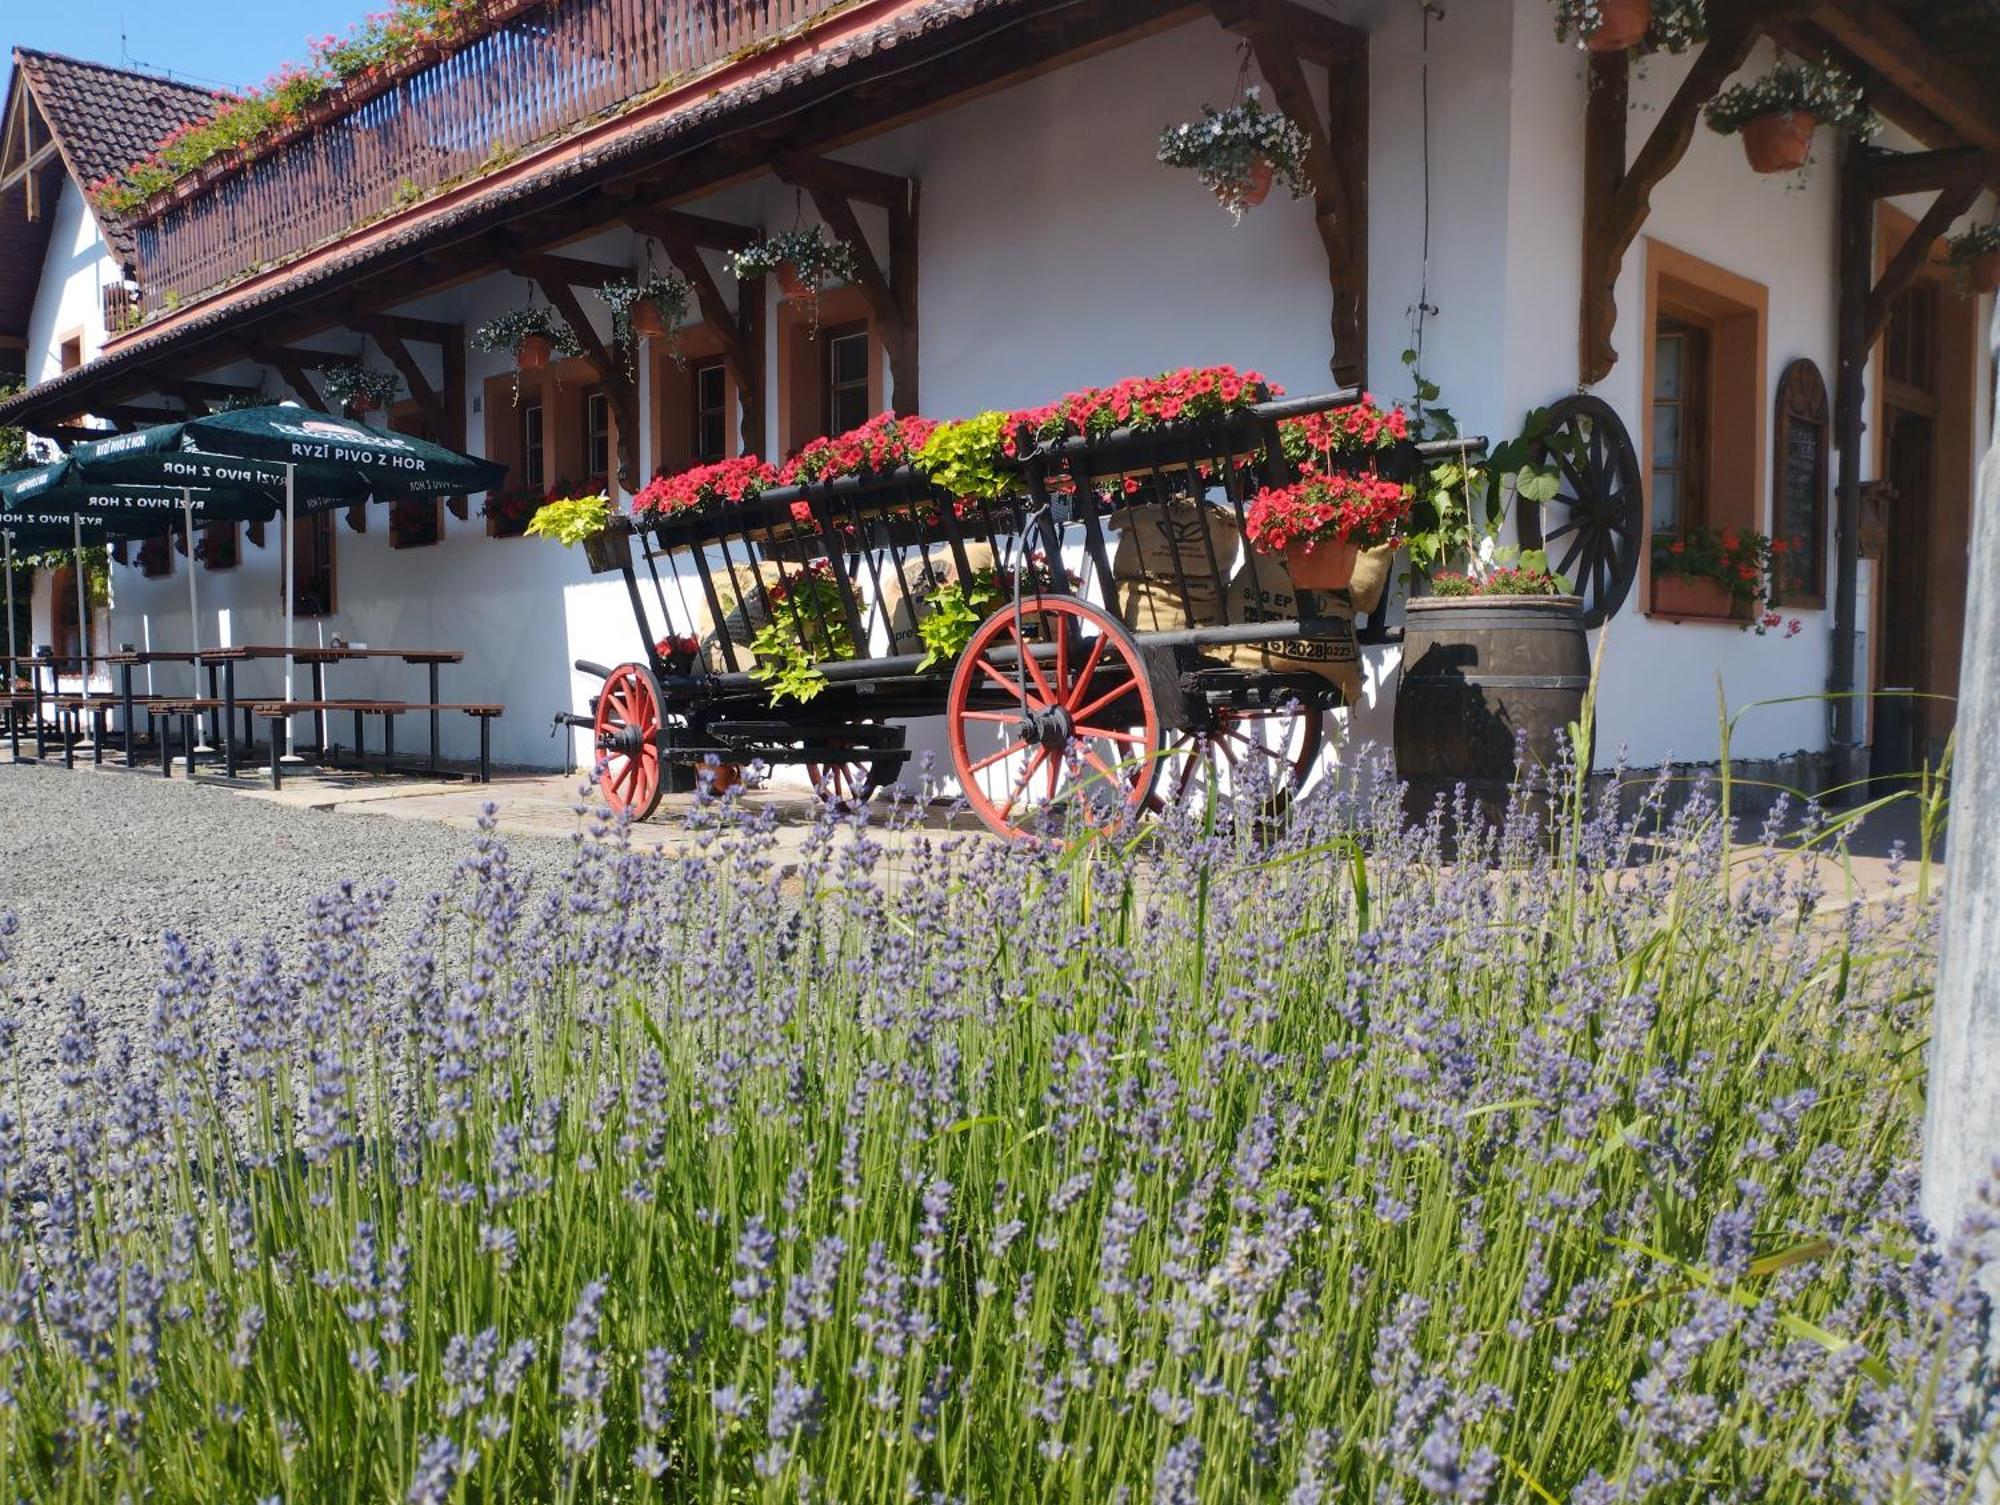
column 1712, row 574
column 508, row 513
column 415, row 523
column 704, row 489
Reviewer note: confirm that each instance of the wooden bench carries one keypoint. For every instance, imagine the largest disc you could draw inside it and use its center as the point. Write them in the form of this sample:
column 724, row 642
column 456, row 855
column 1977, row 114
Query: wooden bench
column 280, row 712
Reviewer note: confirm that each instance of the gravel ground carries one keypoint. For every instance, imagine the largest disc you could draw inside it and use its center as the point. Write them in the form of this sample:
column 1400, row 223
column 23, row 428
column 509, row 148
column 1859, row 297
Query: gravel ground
column 96, row 867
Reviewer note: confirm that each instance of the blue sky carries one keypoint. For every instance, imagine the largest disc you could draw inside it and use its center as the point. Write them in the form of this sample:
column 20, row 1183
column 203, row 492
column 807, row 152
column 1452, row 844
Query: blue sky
column 229, row 42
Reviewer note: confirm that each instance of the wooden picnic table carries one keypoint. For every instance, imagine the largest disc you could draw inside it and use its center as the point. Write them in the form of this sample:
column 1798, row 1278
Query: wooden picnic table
column 316, row 657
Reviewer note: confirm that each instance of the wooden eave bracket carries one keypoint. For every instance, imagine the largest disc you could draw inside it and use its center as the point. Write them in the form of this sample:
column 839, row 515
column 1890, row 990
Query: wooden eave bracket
column 1894, row 50
column 1909, row 259
column 553, row 275
column 684, row 237
column 1280, row 34
column 891, row 295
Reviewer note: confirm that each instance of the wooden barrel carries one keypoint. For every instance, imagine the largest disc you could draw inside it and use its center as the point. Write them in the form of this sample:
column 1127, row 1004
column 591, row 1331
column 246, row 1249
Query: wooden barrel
column 1477, row 672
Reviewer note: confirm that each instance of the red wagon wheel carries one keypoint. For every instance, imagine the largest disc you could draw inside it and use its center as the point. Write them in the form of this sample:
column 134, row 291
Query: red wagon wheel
column 629, row 717
column 1270, row 751
column 1069, row 733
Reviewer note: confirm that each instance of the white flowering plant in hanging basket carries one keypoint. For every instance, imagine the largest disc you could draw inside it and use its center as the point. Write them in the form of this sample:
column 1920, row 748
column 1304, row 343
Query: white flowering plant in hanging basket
column 1615, row 25
column 358, row 388
column 1240, row 152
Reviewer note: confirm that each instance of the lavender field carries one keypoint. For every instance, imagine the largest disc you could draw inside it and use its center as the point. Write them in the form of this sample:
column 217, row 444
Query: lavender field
column 1344, row 1162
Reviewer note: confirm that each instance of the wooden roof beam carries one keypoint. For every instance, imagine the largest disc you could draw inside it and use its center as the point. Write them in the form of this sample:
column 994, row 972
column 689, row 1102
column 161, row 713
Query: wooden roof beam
column 1316, row 37
column 825, row 175
column 733, row 328
column 391, row 345
column 569, row 270
column 665, row 225
column 1893, row 174
column 1882, row 39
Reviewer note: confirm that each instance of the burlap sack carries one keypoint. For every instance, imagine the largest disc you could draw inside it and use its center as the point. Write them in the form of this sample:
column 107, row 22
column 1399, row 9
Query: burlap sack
column 742, row 618
column 1371, row 578
column 1170, row 564
column 906, row 588
column 1263, row 592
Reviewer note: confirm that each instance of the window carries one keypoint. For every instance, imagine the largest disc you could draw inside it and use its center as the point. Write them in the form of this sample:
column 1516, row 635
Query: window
column 71, row 353
column 597, row 438
column 156, row 557
column 1909, row 345
column 711, row 411
column 71, row 638
column 312, row 581
column 220, row 545
column 531, row 446
column 1708, row 409
column 1680, row 422
column 846, row 379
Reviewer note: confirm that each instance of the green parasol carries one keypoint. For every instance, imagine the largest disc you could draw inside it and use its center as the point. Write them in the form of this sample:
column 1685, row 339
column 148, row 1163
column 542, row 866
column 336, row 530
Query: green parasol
column 310, row 459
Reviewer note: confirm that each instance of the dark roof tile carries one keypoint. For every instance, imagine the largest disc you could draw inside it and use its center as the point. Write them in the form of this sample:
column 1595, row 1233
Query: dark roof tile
column 105, row 118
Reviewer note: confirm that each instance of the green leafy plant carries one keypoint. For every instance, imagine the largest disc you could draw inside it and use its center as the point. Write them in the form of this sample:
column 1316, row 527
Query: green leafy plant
column 955, row 608
column 1239, row 152
column 968, row 457
column 351, row 384
column 571, row 520
column 13, row 441
column 1828, row 94
column 807, row 627
column 668, row 293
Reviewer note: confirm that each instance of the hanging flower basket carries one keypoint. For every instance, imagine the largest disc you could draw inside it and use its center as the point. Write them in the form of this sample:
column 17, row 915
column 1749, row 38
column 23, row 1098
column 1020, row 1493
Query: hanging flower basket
column 1780, row 141
column 1239, row 153
column 804, row 261
column 1621, row 24
column 1976, row 253
column 651, row 308
column 1324, row 566
column 533, row 335
column 358, row 389
column 1778, row 113
column 1320, row 524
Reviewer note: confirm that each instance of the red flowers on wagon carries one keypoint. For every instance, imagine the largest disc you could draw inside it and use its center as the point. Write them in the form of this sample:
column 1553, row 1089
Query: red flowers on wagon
column 884, row 443
column 722, row 483
column 1142, row 402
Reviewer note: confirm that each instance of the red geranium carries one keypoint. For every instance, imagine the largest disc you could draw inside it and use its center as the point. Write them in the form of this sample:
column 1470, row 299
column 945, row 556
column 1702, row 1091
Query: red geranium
column 1363, row 510
column 884, row 443
column 1361, row 428
column 706, row 487
column 1142, row 402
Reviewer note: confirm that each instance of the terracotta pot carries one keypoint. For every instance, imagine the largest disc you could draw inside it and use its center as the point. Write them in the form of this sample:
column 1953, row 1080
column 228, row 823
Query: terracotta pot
column 726, row 777
column 1327, row 566
column 533, row 353
column 1710, row 600
column 1259, row 187
column 1622, row 24
column 1780, row 141
column 648, row 323
column 361, row 404
column 791, row 286
column 1984, row 272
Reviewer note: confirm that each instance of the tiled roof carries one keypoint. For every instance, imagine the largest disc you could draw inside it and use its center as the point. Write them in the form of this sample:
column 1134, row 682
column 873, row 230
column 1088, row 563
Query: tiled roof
column 108, row 118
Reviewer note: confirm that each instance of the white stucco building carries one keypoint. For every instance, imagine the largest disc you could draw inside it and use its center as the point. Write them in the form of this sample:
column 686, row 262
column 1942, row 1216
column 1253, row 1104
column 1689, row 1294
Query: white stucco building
column 1042, row 247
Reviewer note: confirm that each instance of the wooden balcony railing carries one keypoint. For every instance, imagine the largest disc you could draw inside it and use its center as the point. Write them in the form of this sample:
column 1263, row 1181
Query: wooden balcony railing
column 550, row 67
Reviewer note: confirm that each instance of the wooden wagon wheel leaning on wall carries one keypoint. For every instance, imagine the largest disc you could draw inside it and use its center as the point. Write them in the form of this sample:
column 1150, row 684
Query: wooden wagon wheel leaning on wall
column 1593, row 529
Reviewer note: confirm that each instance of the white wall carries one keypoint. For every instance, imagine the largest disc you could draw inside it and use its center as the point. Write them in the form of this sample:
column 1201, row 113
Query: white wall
column 75, row 270
column 1056, row 252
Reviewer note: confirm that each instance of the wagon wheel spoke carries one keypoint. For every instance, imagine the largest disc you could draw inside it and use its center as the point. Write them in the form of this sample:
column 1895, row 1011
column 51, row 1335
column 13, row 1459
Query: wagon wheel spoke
column 1011, row 686
column 1553, row 534
column 1049, row 696
column 1085, row 676
column 1109, row 735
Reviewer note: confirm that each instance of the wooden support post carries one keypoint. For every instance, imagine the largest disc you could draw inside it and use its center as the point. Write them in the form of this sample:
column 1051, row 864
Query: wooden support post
column 624, row 392
column 1909, row 259
column 891, row 295
column 684, row 237
column 1616, row 202
column 421, row 391
column 1856, row 267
